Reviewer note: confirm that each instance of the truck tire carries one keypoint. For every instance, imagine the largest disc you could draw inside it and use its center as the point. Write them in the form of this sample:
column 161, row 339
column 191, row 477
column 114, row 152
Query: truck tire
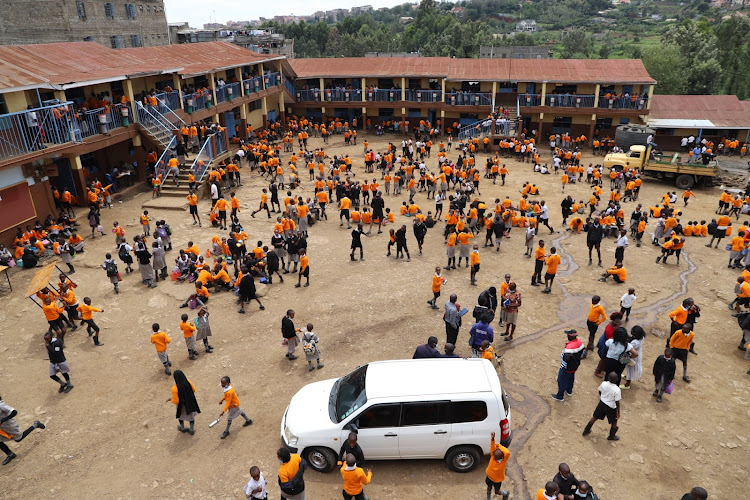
column 632, row 135
column 463, row 458
column 684, row 181
column 321, row 459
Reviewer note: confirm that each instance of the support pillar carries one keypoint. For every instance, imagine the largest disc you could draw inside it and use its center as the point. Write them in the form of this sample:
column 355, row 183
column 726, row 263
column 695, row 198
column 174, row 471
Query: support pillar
column 596, row 95
column 403, row 88
column 262, row 77
column 494, row 91
column 177, row 85
column 264, row 105
column 403, row 116
column 364, row 119
column 442, row 92
column 650, row 95
column 364, row 90
column 79, row 179
column 131, row 97
column 544, row 93
column 591, row 129
column 322, row 90
column 540, row 129
column 212, row 84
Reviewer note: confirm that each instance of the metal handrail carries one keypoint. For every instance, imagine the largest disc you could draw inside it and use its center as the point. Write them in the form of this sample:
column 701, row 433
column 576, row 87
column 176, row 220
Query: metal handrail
column 468, row 98
column 161, row 164
column 157, row 120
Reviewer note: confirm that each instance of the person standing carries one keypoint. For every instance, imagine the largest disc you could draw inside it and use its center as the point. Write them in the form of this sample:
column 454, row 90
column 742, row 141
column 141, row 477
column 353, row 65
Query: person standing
column 401, row 246
column 480, row 331
column 452, row 320
column 634, row 369
column 291, row 475
column 608, row 407
column 626, row 303
column 495, row 472
column 188, row 331
column 350, row 447
column 570, row 360
column 255, row 489
column 57, row 362
column 553, row 260
column 594, row 236
column 160, row 341
column 596, row 317
column 289, row 333
column 511, row 304
column 539, row 257
column 183, row 396
column 203, row 329
column 231, row 406
column 622, row 243
column 437, row 282
column 144, row 262
column 357, row 243
column 619, row 352
column 9, row 429
column 355, row 479
column 680, row 344
column 247, row 291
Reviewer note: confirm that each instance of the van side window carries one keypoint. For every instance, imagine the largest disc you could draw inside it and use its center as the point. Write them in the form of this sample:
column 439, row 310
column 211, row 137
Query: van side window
column 635, row 154
column 380, row 416
column 427, row 413
column 468, row 411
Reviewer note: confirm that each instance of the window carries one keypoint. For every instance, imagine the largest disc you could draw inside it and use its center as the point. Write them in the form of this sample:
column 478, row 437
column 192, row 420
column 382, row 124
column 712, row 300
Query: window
column 115, row 41
column 130, row 11
column 3, row 105
column 81, row 10
column 135, row 41
column 468, row 411
column 254, row 105
column 603, row 123
column 148, row 8
column 562, row 122
column 140, row 7
column 380, row 416
column 428, row 413
column 109, row 10
column 88, row 39
column 385, row 112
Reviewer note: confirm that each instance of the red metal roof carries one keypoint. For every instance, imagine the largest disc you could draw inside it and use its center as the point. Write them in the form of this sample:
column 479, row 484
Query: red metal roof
column 607, row 71
column 723, row 111
column 54, row 64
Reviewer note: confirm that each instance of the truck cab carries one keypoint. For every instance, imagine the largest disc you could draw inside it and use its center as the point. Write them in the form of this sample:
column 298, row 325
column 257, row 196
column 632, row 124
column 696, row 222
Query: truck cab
column 632, row 159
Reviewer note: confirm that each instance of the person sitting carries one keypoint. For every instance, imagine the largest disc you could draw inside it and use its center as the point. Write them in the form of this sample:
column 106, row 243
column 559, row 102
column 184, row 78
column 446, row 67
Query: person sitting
column 618, row 273
column 5, row 255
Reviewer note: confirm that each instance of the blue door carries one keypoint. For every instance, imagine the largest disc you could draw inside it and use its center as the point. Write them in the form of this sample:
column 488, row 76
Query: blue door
column 230, row 123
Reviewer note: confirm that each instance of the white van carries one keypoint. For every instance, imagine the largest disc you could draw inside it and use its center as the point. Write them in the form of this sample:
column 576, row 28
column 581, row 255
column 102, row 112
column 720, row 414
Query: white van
column 417, row 408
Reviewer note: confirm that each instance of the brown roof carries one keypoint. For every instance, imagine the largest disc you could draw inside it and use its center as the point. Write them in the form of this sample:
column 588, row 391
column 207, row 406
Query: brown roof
column 609, row 71
column 53, row 64
column 723, row 111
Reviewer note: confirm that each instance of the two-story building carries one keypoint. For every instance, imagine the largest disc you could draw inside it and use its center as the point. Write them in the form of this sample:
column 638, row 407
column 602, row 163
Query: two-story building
column 543, row 95
column 71, row 112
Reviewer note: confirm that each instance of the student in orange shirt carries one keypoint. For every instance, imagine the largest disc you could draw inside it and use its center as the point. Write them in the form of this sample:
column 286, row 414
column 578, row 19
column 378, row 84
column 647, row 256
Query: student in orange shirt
column 552, row 262
column 539, row 258
column 87, row 310
column 304, row 268
column 145, row 223
column 474, row 261
column 231, row 406
column 495, row 471
column 595, row 318
column 355, row 479
column 437, row 282
column 221, row 207
column 160, row 341
column 188, row 331
column 618, row 273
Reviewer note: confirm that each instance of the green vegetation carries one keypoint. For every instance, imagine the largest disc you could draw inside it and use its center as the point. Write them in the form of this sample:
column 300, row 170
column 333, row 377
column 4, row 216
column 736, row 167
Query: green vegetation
column 689, row 47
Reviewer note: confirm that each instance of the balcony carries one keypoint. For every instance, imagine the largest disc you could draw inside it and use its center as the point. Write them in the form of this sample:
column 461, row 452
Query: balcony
column 569, row 101
column 530, row 100
column 228, row 92
column 289, row 86
column 197, row 101
column 341, row 94
column 272, row 79
column 170, row 100
column 468, row 99
column 307, row 95
column 622, row 102
column 24, row 132
column 421, row 95
column 253, row 84
column 380, row 95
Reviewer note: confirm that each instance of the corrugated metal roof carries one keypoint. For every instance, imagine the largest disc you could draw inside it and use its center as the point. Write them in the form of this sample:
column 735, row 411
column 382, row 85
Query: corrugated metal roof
column 607, row 71
column 45, row 65
column 723, row 111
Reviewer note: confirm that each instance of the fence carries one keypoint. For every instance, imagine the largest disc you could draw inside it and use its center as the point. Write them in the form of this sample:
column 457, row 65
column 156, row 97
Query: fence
column 308, row 95
column 341, row 94
column 622, row 102
column 197, row 101
column 569, row 101
column 272, row 79
column 254, row 84
column 419, row 95
column 468, row 99
column 380, row 95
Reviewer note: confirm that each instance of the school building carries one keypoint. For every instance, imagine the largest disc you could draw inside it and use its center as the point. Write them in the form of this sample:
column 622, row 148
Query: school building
column 546, row 95
column 73, row 111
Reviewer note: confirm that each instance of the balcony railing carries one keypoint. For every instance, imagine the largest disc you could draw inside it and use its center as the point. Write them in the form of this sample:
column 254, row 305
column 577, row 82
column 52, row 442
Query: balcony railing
column 197, row 101
column 289, row 86
column 27, row 131
column 569, row 101
column 530, row 100
column 308, row 95
column 622, row 102
column 252, row 84
column 381, row 95
column 343, row 95
column 272, row 79
column 210, row 150
column 228, row 92
column 468, row 99
column 170, row 100
column 420, row 95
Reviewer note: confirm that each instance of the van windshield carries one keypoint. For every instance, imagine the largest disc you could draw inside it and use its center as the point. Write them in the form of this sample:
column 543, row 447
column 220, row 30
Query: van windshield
column 348, row 394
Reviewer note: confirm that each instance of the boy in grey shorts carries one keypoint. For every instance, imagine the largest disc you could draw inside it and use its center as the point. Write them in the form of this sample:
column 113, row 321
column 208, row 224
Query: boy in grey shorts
column 9, row 429
column 310, row 346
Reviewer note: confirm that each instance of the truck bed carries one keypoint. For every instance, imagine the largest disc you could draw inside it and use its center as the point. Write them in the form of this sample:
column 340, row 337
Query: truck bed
column 683, row 168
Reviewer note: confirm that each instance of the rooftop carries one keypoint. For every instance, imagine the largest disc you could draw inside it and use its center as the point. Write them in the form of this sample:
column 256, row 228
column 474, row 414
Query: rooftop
column 699, row 111
column 71, row 64
column 609, row 71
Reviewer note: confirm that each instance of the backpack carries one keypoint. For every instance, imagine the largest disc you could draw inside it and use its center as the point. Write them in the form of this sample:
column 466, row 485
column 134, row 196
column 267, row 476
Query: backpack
column 111, row 268
column 308, row 344
column 168, row 228
column 123, row 252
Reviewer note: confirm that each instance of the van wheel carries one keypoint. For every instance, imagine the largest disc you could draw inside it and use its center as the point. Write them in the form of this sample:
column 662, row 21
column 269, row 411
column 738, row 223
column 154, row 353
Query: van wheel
column 321, row 459
column 462, row 458
column 684, row 181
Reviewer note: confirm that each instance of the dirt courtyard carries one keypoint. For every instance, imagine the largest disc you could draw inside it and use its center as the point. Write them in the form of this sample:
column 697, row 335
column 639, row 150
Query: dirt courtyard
column 114, row 435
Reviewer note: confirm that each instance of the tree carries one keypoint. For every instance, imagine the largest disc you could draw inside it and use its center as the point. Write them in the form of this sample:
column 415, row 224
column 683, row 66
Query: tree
column 667, row 66
column 577, row 44
column 698, row 49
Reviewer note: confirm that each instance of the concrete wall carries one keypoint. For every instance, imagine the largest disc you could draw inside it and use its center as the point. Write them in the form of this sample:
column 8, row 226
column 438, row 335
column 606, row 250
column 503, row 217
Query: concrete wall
column 47, row 21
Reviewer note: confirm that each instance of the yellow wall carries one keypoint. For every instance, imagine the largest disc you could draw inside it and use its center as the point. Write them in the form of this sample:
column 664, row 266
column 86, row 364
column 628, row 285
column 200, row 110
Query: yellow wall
column 17, row 101
column 255, row 118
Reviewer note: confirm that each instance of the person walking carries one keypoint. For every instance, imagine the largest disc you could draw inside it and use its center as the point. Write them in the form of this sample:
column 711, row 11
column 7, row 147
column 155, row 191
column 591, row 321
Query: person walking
column 10, row 430
column 619, row 353
column 255, row 489
column 291, row 475
column 183, row 396
column 57, row 362
column 680, row 344
column 663, row 371
column 355, row 479
column 634, row 368
column 289, row 333
column 401, row 245
column 452, row 320
column 608, row 407
column 247, row 291
column 357, row 233
column 495, row 471
column 231, row 406
column 570, row 360
column 437, row 282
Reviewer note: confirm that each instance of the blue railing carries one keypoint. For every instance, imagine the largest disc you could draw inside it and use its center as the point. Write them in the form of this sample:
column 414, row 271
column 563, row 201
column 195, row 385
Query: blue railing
column 622, row 102
column 228, row 92
column 308, row 95
column 253, row 84
column 468, row 98
column 272, row 79
column 530, row 100
column 169, row 99
column 382, row 95
column 161, row 165
column 289, row 86
column 341, row 94
column 569, row 101
column 32, row 130
column 419, row 95
column 207, row 154
column 197, row 101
